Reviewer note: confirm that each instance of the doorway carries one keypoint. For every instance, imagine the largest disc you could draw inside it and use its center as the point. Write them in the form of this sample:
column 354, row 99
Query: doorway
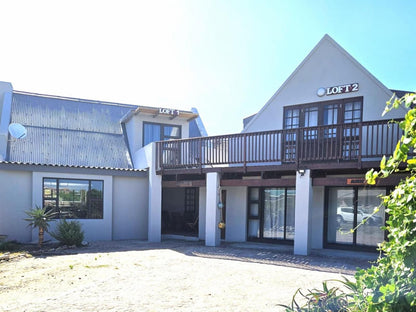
column 180, row 211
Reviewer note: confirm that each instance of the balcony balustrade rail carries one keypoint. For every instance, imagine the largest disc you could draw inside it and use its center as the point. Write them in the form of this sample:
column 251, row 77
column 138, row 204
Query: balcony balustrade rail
column 343, row 142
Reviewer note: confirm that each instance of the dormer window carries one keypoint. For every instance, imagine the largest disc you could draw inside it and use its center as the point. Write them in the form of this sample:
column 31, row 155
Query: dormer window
column 153, row 132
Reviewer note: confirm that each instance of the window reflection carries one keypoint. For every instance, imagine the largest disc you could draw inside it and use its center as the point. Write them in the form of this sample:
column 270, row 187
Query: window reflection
column 74, row 199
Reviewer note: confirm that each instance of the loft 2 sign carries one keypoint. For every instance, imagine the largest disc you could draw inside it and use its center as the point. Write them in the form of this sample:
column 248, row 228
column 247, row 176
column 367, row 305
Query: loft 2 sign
column 347, row 88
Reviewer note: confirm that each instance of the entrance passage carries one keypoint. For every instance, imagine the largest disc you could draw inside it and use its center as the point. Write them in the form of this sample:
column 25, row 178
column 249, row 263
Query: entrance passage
column 180, row 211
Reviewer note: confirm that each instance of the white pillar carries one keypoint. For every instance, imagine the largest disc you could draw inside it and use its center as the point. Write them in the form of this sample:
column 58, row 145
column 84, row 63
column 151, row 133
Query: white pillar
column 212, row 213
column 155, row 200
column 302, row 212
column 6, row 90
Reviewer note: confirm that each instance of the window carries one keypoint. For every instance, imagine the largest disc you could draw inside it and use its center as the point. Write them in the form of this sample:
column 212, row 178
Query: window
column 271, row 213
column 325, row 113
column 73, row 199
column 153, row 132
column 348, row 206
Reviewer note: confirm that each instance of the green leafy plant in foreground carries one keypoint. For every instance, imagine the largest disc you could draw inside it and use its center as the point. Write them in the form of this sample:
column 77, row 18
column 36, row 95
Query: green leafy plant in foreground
column 390, row 284
column 40, row 218
column 320, row 300
column 69, row 233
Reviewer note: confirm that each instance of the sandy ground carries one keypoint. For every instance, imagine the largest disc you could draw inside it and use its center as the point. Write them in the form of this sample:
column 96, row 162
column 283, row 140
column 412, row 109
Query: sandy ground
column 170, row 276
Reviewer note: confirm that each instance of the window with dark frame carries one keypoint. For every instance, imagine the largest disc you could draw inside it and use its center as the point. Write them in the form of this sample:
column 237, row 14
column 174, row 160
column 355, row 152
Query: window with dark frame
column 323, row 113
column 348, row 206
column 73, row 198
column 153, row 132
column 271, row 213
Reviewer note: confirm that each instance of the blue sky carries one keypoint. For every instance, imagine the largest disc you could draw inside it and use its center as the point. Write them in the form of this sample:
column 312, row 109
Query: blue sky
column 226, row 58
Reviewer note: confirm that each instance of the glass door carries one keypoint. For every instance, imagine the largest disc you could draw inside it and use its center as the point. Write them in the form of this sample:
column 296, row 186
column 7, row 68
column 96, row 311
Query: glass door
column 271, row 214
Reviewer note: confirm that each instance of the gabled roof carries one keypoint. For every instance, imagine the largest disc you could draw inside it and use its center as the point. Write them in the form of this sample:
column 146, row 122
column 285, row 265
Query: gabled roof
column 326, row 38
column 69, row 132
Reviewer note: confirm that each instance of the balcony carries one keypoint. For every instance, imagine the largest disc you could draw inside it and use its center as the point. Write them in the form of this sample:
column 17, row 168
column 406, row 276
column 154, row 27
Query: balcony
column 343, row 145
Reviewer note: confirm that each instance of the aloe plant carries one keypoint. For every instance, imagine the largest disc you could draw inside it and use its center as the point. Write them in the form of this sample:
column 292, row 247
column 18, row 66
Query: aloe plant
column 40, row 218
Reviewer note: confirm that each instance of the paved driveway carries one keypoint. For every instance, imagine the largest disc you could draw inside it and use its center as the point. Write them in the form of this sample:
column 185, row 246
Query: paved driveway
column 170, row 276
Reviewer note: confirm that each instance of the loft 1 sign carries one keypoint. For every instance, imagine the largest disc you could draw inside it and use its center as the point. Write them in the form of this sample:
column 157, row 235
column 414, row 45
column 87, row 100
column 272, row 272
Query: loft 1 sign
column 168, row 111
column 347, row 88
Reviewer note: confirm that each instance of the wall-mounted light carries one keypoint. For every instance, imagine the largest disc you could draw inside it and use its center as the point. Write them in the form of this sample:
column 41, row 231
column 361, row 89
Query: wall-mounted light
column 301, row 172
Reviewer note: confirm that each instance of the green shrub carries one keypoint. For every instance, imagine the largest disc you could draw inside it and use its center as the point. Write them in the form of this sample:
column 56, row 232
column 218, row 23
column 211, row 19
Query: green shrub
column 320, row 300
column 69, row 233
column 9, row 246
column 390, row 284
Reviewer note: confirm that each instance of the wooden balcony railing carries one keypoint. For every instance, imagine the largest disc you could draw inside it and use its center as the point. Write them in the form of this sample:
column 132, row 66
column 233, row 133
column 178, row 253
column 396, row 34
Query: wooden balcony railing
column 345, row 142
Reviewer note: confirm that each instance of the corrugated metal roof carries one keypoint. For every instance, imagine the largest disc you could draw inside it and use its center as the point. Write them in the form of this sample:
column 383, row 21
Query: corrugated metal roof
column 71, row 166
column 62, row 131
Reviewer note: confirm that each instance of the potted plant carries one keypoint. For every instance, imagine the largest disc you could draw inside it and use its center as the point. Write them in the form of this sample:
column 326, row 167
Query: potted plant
column 40, row 218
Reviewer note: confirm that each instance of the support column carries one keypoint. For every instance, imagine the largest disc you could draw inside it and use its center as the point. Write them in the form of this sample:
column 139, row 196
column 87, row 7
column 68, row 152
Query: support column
column 5, row 110
column 302, row 212
column 212, row 232
column 154, row 233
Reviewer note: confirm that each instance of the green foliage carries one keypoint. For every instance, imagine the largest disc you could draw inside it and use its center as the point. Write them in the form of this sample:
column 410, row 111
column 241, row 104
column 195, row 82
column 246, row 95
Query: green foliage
column 390, row 284
column 320, row 300
column 69, row 233
column 40, row 218
column 9, row 246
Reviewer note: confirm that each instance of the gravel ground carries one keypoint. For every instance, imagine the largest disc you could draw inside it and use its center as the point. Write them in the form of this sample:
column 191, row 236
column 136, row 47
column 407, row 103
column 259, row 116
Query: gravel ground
column 168, row 276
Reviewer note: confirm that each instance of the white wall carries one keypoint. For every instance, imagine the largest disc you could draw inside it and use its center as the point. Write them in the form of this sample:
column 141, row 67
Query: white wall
column 15, row 199
column 94, row 229
column 202, row 212
column 317, row 217
column 5, row 110
column 130, row 207
column 328, row 65
column 236, row 214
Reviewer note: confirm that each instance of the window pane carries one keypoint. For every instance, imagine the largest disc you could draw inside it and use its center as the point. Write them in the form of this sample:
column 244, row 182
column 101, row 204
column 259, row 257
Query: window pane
column 290, row 214
column 274, row 213
column 291, row 118
column 73, row 198
column 254, row 228
column 370, row 233
column 49, row 188
column 254, row 193
column 171, row 132
column 151, row 133
column 254, row 210
column 96, row 200
column 331, row 114
column 311, row 117
column 340, row 215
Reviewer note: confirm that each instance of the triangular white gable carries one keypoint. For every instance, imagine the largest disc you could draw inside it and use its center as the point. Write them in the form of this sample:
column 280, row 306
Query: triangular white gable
column 327, row 65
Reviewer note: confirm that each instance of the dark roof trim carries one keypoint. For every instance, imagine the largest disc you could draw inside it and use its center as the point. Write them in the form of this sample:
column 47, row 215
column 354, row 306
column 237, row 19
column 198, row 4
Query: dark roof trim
column 400, row 93
column 13, row 165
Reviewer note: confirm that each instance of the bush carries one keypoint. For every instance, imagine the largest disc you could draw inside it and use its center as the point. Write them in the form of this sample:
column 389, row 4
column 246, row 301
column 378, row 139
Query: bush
column 9, row 246
column 69, row 233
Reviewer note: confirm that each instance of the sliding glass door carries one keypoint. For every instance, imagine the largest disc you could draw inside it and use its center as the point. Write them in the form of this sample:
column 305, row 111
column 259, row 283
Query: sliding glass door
column 271, row 214
column 349, row 206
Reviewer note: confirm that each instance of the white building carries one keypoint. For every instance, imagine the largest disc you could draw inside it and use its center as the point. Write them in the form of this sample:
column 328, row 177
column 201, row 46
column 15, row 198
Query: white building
column 294, row 175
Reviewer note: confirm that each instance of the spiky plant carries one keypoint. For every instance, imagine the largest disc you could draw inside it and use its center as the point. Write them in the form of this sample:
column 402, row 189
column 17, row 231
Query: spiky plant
column 40, row 218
